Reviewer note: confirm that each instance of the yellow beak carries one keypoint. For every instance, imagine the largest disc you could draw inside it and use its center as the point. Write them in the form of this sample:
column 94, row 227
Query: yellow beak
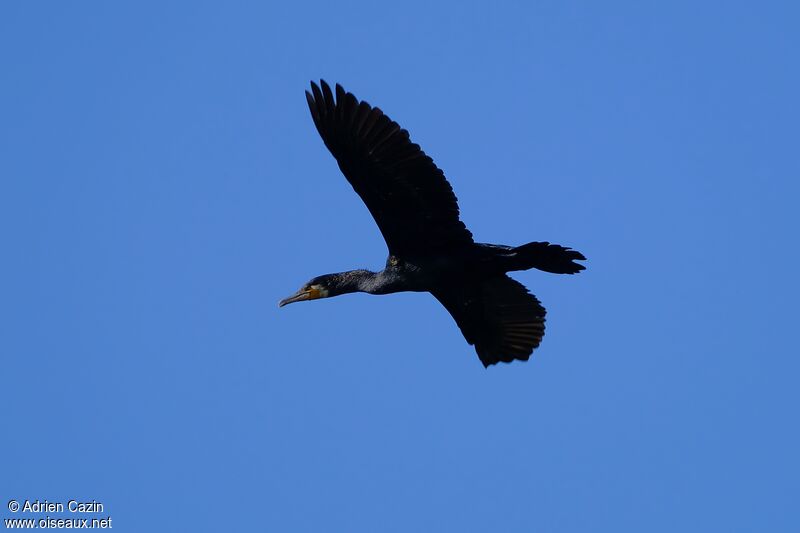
column 299, row 296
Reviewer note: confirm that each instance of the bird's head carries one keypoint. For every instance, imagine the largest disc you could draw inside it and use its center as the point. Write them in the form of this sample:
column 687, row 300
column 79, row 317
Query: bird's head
column 319, row 287
column 333, row 285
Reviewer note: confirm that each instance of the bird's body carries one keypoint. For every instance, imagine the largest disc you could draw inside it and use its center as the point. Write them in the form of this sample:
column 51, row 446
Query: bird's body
column 430, row 249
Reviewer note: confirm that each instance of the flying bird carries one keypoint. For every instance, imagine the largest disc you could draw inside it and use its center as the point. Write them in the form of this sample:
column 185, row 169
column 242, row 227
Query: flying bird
column 430, row 249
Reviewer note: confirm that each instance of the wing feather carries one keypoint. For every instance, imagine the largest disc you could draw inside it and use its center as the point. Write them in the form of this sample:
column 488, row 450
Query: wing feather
column 498, row 316
column 407, row 194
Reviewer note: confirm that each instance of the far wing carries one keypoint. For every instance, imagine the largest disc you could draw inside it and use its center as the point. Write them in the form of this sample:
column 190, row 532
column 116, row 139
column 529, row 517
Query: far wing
column 498, row 316
column 408, row 196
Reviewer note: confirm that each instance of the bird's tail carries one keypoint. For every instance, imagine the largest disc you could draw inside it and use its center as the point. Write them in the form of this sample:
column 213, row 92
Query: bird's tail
column 545, row 256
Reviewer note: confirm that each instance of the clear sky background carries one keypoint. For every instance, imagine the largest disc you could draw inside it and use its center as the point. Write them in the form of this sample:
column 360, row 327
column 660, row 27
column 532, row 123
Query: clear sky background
column 162, row 186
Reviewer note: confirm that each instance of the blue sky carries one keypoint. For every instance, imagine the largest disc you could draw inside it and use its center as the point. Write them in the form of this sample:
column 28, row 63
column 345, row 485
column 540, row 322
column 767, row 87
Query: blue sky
column 163, row 187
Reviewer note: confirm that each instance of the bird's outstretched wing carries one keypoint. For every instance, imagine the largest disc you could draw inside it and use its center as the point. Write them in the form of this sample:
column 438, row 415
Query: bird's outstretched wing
column 408, row 196
column 498, row 315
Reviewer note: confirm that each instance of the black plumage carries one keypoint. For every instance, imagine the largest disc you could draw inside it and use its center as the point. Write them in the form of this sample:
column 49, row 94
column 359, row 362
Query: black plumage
column 430, row 249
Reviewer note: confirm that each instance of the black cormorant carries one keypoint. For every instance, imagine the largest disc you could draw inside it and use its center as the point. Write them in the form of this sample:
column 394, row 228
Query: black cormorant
column 430, row 249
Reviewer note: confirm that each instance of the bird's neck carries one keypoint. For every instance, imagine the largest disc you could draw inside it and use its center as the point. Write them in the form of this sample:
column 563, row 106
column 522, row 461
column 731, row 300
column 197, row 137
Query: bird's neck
column 366, row 281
